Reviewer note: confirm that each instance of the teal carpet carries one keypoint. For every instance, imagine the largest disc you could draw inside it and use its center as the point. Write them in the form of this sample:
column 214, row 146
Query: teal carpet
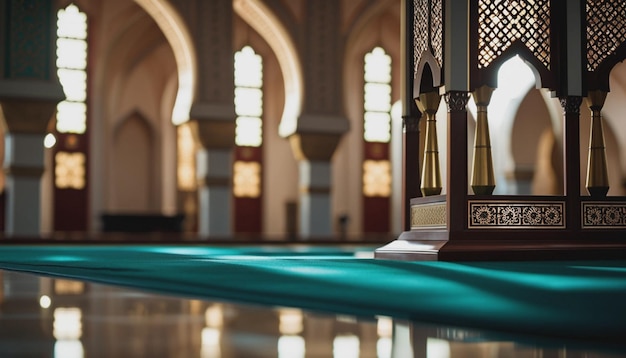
column 570, row 300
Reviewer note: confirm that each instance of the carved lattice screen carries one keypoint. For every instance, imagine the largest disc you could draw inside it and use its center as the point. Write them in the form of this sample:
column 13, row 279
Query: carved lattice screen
column 502, row 22
column 606, row 29
column 428, row 29
column 420, row 29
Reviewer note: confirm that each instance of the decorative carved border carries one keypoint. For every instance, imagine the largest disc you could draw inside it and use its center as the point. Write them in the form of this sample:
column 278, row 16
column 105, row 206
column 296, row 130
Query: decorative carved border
column 428, row 216
column 516, row 215
column 603, row 215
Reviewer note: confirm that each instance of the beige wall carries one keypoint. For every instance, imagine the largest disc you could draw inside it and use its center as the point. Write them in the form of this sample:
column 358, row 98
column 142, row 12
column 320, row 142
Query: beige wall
column 378, row 27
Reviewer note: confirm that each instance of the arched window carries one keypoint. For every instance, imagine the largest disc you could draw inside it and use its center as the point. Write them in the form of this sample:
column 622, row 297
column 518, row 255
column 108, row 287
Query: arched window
column 69, row 139
column 377, row 126
column 248, row 139
column 376, row 135
column 72, row 66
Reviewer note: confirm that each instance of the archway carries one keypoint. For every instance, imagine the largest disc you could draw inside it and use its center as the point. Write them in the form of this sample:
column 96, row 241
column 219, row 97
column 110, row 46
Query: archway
column 261, row 18
column 132, row 164
column 176, row 33
column 361, row 168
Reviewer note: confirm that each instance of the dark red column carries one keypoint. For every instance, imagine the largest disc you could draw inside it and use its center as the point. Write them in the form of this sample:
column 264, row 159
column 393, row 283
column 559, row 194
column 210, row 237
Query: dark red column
column 456, row 189
column 571, row 160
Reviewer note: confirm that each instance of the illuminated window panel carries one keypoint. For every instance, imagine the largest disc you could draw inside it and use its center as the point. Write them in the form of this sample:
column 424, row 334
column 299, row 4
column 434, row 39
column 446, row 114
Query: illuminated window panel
column 71, row 53
column 186, row 172
column 377, row 178
column 69, row 170
column 248, row 98
column 71, row 23
column 74, row 84
column 71, row 117
column 378, row 66
column 249, row 131
column 377, row 96
column 248, row 68
column 247, row 179
column 377, row 127
column 248, row 101
column 71, row 62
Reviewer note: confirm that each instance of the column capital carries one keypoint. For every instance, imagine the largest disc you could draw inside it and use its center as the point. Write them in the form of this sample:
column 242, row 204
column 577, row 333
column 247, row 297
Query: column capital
column 213, row 133
column 571, row 104
column 411, row 124
column 456, row 100
column 30, row 116
column 316, row 136
column 314, row 146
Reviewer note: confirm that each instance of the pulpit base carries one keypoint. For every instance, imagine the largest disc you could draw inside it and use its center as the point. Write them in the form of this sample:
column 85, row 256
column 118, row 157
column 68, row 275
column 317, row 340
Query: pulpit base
column 412, row 247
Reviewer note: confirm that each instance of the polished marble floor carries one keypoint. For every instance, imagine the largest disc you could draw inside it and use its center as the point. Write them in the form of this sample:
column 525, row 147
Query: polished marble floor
column 47, row 317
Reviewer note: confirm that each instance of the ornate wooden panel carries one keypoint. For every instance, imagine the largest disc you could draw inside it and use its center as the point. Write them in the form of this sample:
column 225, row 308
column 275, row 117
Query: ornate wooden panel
column 502, row 22
column 605, row 29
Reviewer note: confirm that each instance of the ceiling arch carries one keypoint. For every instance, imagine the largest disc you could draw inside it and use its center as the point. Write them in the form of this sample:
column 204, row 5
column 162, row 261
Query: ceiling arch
column 177, row 34
column 264, row 21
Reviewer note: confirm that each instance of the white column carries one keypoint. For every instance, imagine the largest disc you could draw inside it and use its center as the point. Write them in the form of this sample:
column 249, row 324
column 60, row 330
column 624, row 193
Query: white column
column 214, row 173
column 315, row 205
column 24, row 165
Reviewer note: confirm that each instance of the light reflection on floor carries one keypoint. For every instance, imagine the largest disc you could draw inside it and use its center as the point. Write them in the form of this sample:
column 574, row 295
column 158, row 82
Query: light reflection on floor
column 45, row 317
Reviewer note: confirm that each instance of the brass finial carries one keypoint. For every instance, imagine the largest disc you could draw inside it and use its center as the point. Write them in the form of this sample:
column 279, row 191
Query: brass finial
column 597, row 174
column 483, row 182
column 428, row 103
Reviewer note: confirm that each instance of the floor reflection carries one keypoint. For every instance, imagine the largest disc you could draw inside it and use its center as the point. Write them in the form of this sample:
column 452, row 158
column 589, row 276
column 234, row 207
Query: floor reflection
column 46, row 317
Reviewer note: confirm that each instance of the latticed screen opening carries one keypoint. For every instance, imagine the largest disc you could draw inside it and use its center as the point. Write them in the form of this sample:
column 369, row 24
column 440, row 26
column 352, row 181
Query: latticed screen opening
column 428, row 29
column 420, row 30
column 605, row 29
column 502, row 22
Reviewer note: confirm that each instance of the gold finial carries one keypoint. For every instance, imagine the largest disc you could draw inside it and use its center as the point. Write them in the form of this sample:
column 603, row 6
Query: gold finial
column 597, row 174
column 483, row 182
column 428, row 103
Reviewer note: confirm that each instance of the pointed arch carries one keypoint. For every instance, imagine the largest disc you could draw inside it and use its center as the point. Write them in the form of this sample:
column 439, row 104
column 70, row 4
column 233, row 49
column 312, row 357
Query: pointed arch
column 428, row 74
column 599, row 79
column 132, row 167
column 265, row 22
column 543, row 76
column 531, row 121
column 359, row 160
column 177, row 34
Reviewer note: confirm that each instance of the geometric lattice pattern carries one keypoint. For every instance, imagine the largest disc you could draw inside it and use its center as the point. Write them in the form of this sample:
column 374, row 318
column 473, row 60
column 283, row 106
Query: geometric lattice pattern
column 420, row 29
column 247, row 179
column 425, row 38
column 428, row 216
column 69, row 170
column 436, row 29
column 516, row 215
column 377, row 178
column 604, row 215
column 606, row 29
column 26, row 39
column 501, row 22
